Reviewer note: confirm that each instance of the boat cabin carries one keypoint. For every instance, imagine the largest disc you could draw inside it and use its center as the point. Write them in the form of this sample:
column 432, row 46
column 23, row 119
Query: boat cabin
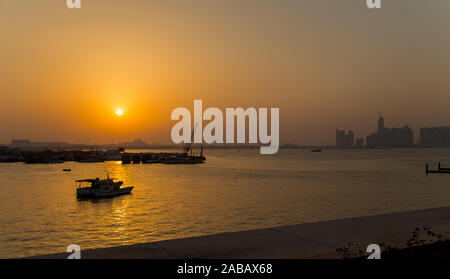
column 95, row 183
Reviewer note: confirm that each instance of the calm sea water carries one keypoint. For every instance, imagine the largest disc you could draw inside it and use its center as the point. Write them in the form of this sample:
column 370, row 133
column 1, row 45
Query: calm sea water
column 235, row 190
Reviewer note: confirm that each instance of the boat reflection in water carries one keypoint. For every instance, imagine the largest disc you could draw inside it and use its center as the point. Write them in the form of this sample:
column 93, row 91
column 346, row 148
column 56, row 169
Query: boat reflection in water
column 101, row 188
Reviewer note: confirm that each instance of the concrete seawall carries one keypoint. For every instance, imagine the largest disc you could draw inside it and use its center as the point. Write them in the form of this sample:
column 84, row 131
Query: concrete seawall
column 310, row 240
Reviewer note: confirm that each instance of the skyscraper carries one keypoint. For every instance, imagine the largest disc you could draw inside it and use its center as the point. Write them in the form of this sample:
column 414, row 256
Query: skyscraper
column 387, row 137
column 380, row 124
column 340, row 138
column 436, row 136
column 350, row 139
column 345, row 139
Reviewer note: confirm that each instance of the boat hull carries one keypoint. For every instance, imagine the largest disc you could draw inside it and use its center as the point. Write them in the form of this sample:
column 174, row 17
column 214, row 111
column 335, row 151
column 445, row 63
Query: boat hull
column 101, row 193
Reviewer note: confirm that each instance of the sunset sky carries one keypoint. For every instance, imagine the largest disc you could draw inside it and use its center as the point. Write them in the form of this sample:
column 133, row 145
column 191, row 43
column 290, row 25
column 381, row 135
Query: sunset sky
column 326, row 64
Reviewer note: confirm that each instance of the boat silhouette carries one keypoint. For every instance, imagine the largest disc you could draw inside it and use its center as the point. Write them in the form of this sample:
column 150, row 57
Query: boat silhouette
column 101, row 188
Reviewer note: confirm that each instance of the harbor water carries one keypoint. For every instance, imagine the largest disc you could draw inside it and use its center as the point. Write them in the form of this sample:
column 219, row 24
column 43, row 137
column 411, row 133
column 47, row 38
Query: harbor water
column 234, row 190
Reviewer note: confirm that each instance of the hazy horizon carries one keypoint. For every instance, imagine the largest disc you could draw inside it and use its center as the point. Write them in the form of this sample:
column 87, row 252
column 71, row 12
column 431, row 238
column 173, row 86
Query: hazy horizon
column 326, row 64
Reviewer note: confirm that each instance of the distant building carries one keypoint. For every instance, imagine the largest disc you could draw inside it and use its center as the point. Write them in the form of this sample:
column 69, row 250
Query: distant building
column 27, row 144
column 359, row 142
column 340, row 138
column 436, row 136
column 380, row 124
column 345, row 139
column 136, row 144
column 20, row 142
column 386, row 137
column 350, row 139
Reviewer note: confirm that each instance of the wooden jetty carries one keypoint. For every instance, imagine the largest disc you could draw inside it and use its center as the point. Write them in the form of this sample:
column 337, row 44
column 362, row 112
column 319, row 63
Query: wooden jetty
column 439, row 170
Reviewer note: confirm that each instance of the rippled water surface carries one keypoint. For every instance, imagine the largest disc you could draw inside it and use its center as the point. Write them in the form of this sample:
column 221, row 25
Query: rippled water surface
column 235, row 190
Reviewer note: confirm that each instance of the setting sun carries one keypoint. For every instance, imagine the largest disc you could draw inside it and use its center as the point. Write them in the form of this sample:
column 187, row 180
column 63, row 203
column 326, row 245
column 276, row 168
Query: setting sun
column 119, row 112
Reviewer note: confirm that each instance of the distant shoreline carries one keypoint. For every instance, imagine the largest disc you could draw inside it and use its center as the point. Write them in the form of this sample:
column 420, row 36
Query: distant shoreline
column 69, row 146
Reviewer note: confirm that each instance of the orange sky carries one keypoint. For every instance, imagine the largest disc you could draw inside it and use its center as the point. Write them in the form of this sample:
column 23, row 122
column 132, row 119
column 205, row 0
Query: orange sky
column 326, row 64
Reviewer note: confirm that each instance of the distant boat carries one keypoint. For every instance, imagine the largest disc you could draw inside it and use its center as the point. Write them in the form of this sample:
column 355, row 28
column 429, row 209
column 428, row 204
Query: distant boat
column 316, row 150
column 101, row 188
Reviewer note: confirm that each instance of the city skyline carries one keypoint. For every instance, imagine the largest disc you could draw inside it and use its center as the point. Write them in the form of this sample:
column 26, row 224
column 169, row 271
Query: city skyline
column 437, row 136
column 344, row 133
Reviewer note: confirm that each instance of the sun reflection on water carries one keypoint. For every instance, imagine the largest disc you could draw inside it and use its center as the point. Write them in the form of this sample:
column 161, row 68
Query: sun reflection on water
column 176, row 201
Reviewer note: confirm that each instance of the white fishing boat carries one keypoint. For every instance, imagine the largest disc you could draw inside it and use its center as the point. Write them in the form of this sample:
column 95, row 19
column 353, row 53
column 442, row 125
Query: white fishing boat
column 101, row 188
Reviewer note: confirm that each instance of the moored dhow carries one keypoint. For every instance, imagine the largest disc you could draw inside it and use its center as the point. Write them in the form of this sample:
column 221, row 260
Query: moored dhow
column 101, row 188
